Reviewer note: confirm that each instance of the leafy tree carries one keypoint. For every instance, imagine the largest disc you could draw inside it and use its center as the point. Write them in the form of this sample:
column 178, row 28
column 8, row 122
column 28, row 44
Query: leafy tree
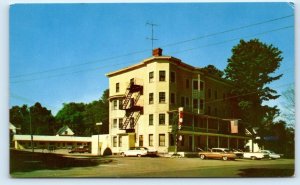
column 250, row 70
column 42, row 120
column 72, row 114
column 289, row 106
column 212, row 70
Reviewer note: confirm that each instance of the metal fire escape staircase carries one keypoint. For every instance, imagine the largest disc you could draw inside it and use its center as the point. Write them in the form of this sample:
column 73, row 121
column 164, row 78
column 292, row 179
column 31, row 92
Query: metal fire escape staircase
column 129, row 104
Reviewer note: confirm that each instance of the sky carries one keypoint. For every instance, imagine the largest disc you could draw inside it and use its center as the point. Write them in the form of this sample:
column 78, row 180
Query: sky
column 60, row 53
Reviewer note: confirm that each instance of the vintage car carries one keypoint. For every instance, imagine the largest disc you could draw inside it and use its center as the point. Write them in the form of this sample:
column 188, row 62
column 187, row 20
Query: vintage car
column 272, row 155
column 139, row 152
column 80, row 149
column 217, row 153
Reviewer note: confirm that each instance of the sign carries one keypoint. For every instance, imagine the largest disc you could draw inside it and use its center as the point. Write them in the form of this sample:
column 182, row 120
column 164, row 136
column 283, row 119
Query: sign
column 234, row 126
column 180, row 138
column 180, row 117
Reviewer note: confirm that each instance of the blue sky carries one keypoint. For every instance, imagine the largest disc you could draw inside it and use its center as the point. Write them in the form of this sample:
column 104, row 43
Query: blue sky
column 60, row 53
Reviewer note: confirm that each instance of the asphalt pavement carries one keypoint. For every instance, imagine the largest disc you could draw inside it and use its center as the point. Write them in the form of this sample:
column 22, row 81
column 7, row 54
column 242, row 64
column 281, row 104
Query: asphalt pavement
column 130, row 167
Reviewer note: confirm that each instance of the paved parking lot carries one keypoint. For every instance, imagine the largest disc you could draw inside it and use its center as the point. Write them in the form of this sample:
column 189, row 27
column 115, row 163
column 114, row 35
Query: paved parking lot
column 173, row 167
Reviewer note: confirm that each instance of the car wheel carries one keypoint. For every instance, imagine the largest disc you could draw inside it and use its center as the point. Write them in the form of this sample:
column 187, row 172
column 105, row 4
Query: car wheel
column 139, row 155
column 122, row 154
column 224, row 158
column 253, row 157
column 202, row 156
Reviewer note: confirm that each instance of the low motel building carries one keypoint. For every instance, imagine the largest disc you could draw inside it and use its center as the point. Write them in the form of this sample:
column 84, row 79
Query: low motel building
column 144, row 101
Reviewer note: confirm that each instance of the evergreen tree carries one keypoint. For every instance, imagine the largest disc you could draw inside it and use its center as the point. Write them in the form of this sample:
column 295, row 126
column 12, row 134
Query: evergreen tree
column 250, row 70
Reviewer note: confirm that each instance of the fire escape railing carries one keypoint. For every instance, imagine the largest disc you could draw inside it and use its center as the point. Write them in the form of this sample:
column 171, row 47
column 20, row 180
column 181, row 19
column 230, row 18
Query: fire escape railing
column 129, row 104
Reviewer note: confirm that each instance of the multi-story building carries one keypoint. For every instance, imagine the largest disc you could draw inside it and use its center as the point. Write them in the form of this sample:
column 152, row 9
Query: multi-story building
column 144, row 101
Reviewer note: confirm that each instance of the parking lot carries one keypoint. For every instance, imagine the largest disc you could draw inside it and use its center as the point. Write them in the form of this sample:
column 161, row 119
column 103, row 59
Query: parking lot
column 172, row 167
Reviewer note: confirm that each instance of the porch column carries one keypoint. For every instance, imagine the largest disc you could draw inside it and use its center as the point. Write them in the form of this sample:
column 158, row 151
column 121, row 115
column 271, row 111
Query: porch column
column 228, row 142
column 218, row 141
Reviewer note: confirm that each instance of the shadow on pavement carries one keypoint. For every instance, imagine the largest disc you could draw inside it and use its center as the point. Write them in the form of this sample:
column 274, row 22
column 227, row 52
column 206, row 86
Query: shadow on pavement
column 266, row 172
column 22, row 161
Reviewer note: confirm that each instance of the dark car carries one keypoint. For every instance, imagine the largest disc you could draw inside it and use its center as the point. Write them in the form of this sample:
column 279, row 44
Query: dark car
column 80, row 149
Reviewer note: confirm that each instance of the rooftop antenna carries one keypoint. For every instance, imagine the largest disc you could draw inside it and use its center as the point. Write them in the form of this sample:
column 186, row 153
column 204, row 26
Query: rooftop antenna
column 152, row 32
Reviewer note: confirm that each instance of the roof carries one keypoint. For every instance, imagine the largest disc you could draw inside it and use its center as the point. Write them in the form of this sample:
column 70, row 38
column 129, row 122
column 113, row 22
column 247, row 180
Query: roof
column 174, row 60
column 62, row 130
column 52, row 138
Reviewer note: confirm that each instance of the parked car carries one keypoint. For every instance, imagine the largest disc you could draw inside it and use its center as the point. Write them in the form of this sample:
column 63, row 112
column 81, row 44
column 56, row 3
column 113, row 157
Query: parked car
column 139, row 152
column 217, row 153
column 255, row 155
column 80, row 149
column 272, row 155
column 239, row 153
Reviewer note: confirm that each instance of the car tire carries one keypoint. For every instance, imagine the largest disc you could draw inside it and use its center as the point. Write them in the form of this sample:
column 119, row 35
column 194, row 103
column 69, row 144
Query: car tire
column 122, row 154
column 202, row 156
column 224, row 158
column 139, row 155
column 253, row 158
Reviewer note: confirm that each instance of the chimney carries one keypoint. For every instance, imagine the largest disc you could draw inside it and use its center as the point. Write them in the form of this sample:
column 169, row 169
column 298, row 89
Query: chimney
column 157, row 52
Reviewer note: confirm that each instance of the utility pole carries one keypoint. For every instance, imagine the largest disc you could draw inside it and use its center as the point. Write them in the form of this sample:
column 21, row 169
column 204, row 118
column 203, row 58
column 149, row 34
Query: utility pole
column 152, row 32
column 31, row 135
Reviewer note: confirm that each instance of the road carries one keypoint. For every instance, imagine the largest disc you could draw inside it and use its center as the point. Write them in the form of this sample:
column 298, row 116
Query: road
column 173, row 167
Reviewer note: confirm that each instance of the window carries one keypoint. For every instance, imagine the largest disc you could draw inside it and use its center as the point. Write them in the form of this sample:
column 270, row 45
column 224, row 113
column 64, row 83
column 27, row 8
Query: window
column 216, row 111
column 173, row 77
column 201, row 104
column 209, row 93
column 161, row 139
column 208, row 110
column 182, row 101
column 216, row 94
column 117, row 87
column 150, row 139
column 120, row 104
column 187, row 83
column 187, row 102
column 162, row 76
column 162, row 120
column 120, row 141
column 120, row 122
column 151, row 77
column 141, row 140
column 115, row 141
column 150, row 98
column 195, row 85
column 195, row 103
column 150, row 119
column 171, row 139
column 172, row 98
column 182, row 140
column 115, row 123
column 162, row 97
column 115, row 105
column 201, row 86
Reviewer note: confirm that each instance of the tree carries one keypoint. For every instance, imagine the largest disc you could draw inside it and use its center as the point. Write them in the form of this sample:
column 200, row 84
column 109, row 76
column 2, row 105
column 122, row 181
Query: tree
column 72, row 114
column 249, row 69
column 289, row 106
column 212, row 70
column 42, row 120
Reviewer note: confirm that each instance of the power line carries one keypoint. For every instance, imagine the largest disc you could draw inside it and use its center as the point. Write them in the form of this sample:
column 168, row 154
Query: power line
column 186, row 50
column 146, row 50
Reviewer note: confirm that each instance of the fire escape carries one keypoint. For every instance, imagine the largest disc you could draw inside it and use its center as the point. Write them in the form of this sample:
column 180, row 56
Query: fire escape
column 129, row 104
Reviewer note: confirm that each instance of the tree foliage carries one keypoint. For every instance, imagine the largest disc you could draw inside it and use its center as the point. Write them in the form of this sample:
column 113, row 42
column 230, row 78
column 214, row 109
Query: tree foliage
column 212, row 70
column 80, row 117
column 289, row 106
column 42, row 120
column 250, row 69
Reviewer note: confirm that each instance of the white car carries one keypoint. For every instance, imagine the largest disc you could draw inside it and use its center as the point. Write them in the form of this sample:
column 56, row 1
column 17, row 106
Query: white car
column 139, row 152
column 272, row 155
